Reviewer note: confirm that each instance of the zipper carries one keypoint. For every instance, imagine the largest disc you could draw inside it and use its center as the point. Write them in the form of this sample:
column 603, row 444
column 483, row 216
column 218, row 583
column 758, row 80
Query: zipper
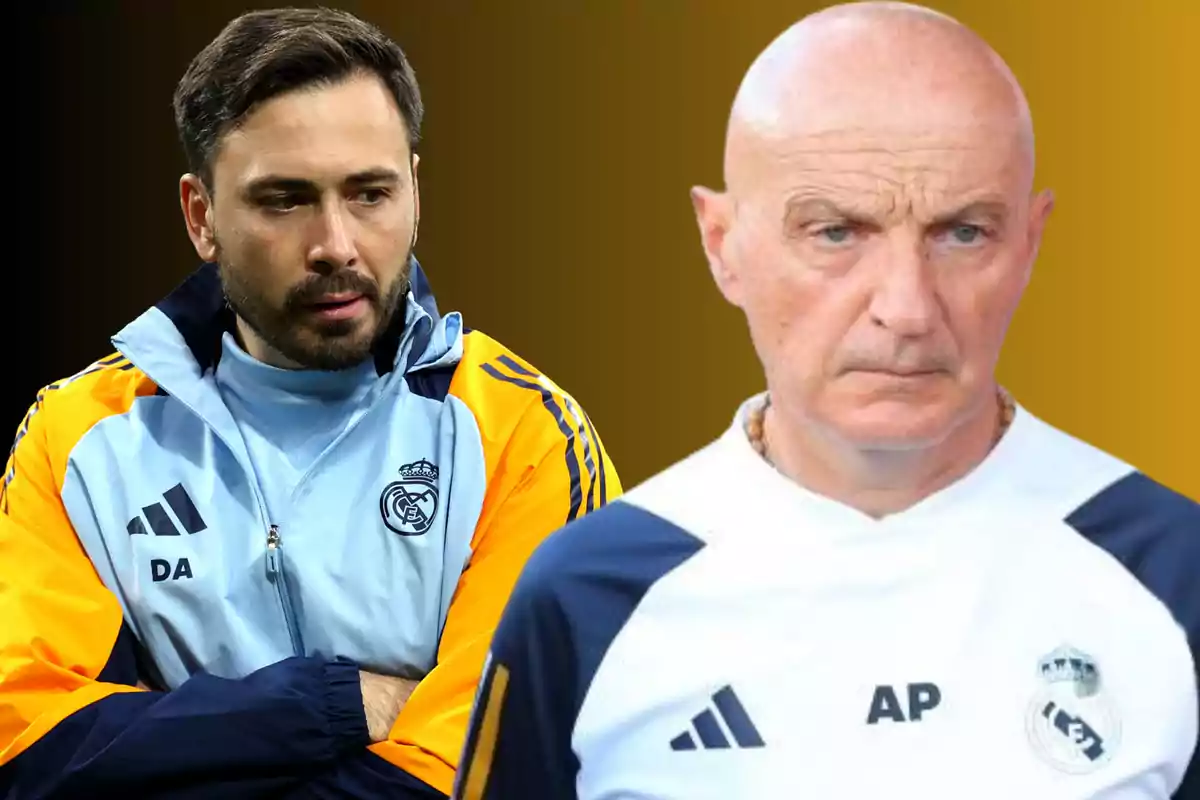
column 274, row 565
column 275, row 576
column 274, row 557
column 275, row 541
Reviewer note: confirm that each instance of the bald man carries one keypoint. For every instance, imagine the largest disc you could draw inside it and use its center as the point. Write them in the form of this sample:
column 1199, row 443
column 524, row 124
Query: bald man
column 886, row 578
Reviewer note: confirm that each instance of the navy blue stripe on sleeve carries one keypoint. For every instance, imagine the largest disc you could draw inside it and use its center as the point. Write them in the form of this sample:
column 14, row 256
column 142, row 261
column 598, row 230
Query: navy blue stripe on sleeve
column 574, row 596
column 211, row 737
column 588, row 461
column 568, row 431
column 586, row 431
column 600, row 459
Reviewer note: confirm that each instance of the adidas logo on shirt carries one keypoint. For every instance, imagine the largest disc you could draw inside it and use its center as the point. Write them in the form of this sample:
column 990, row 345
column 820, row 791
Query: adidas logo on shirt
column 160, row 521
column 716, row 725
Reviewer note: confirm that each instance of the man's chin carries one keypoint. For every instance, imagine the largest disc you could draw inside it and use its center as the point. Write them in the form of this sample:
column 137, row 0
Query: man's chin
column 893, row 439
column 327, row 350
column 330, row 342
column 894, row 423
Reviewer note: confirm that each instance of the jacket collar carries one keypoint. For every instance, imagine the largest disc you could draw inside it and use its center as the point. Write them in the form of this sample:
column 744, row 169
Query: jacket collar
column 197, row 310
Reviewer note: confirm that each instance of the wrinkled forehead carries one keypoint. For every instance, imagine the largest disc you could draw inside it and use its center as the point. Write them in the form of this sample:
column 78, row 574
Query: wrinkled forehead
column 879, row 169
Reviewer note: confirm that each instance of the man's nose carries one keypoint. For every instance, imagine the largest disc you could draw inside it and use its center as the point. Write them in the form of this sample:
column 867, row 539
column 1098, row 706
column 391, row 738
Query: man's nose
column 334, row 246
column 905, row 299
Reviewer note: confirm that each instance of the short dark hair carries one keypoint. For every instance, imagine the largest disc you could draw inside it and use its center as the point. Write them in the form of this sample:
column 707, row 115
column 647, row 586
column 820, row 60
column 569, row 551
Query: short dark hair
column 263, row 54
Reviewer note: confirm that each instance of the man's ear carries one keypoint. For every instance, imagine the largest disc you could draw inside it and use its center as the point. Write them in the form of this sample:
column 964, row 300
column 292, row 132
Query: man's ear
column 714, row 217
column 1039, row 214
column 196, row 204
column 416, row 189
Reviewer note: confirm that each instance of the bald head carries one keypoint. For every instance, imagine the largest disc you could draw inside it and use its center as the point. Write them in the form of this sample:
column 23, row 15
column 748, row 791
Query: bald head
column 883, row 72
column 878, row 225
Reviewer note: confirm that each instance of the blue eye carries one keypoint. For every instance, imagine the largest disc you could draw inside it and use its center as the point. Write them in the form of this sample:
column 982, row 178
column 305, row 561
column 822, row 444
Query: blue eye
column 836, row 234
column 966, row 234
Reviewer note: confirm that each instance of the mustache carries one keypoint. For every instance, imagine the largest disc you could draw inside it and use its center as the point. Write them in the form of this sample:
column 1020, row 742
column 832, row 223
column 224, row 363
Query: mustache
column 312, row 289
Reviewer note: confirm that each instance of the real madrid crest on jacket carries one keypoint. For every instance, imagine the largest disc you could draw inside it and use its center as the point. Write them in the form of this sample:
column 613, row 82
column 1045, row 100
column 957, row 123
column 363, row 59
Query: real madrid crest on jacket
column 410, row 504
column 384, row 524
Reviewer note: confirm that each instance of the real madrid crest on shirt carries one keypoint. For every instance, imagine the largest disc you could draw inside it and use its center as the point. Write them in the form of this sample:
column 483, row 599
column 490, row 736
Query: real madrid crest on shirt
column 1072, row 723
column 409, row 505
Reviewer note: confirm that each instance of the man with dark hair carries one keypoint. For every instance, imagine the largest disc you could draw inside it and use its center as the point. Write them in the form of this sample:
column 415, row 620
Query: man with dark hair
column 261, row 549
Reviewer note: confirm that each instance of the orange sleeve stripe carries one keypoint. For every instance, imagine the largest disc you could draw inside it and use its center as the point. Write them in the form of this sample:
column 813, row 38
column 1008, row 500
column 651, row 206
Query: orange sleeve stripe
column 545, row 465
column 60, row 621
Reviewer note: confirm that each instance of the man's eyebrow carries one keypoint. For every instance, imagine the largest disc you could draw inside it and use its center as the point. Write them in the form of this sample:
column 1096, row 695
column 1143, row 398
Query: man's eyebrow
column 992, row 210
column 806, row 206
column 822, row 208
column 284, row 183
column 278, row 183
column 375, row 175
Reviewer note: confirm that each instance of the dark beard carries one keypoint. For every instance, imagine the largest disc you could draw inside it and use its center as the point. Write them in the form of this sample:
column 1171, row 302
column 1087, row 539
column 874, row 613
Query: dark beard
column 334, row 345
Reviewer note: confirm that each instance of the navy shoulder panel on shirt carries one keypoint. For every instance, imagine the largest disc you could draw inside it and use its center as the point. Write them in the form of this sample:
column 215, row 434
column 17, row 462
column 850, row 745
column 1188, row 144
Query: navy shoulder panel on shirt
column 596, row 571
column 574, row 596
column 1155, row 533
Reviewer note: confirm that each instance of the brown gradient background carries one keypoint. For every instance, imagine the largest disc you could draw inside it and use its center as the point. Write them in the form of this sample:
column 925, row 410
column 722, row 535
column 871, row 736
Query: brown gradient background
column 561, row 139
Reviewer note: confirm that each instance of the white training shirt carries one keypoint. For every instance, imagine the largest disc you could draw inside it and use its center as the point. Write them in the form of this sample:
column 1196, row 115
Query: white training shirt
column 719, row 632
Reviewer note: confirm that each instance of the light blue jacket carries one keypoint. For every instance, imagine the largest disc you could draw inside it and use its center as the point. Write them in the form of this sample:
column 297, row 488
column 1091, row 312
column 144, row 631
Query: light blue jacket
column 395, row 553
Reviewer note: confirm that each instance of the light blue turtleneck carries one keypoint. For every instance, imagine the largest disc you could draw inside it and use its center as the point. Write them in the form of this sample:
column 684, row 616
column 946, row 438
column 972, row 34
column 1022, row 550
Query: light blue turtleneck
column 288, row 417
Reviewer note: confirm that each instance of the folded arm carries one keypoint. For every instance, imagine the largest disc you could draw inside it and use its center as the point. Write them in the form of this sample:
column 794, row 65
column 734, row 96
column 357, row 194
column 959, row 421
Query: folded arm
column 75, row 717
column 72, row 720
column 546, row 469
